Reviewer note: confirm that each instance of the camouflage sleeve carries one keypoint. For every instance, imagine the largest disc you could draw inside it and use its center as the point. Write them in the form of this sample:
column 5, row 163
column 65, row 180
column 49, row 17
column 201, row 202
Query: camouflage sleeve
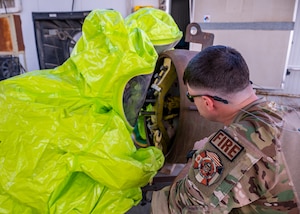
column 266, row 186
column 240, row 169
column 216, row 170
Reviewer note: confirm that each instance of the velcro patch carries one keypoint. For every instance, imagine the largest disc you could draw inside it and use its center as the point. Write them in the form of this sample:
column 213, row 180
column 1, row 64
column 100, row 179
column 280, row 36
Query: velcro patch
column 226, row 145
column 209, row 167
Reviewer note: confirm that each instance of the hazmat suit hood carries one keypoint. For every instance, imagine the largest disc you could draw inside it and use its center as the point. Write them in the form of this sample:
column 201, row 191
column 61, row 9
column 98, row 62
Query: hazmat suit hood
column 65, row 142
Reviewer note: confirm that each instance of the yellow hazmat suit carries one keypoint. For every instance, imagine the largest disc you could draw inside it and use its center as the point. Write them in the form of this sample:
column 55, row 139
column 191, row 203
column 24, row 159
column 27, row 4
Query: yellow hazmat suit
column 65, row 144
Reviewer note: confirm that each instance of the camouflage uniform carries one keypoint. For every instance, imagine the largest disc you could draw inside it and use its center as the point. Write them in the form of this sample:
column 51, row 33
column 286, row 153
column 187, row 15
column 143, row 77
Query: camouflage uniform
column 241, row 169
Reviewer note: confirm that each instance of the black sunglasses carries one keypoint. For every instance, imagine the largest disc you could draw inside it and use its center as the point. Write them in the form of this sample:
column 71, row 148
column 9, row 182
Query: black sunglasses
column 191, row 97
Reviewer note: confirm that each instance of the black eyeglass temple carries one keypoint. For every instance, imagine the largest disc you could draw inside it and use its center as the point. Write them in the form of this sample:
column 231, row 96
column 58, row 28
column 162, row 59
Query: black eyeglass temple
column 219, row 99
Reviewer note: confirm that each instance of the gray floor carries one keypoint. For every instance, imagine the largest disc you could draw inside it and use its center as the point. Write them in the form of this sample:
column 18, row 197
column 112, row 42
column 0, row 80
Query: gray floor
column 140, row 209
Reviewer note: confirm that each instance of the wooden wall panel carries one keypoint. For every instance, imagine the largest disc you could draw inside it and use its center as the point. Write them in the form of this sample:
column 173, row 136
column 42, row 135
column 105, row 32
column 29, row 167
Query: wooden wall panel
column 11, row 34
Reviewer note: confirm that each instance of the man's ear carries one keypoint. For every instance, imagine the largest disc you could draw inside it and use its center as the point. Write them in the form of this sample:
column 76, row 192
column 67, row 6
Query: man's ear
column 209, row 103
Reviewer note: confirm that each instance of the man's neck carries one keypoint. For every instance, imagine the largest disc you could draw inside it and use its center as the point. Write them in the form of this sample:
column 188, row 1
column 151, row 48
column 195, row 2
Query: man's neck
column 242, row 100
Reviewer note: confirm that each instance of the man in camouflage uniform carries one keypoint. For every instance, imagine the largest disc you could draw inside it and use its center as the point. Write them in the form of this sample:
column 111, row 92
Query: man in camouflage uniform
column 240, row 168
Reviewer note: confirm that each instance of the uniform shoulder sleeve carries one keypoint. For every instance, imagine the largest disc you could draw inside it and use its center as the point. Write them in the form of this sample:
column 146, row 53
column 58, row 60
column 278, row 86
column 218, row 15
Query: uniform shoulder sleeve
column 220, row 165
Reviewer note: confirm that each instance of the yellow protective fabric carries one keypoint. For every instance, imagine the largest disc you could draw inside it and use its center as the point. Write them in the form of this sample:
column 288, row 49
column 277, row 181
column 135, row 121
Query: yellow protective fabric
column 65, row 144
column 160, row 28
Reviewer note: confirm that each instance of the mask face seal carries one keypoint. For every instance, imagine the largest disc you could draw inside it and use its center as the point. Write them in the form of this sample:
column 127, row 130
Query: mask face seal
column 134, row 97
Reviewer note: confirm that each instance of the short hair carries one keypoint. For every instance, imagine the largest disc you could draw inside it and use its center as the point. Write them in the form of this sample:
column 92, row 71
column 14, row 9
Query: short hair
column 219, row 68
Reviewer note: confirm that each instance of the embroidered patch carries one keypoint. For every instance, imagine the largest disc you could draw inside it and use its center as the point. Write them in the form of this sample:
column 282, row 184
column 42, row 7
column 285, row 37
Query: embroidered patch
column 226, row 144
column 209, row 167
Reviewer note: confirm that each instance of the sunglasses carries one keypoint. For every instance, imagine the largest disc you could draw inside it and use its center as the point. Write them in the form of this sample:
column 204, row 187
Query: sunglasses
column 191, row 97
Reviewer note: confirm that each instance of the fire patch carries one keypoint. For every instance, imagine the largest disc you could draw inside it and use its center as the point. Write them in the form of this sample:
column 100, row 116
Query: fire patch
column 209, row 167
column 226, row 144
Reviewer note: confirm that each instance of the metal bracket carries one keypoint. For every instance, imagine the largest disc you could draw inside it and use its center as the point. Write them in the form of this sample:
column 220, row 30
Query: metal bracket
column 194, row 34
